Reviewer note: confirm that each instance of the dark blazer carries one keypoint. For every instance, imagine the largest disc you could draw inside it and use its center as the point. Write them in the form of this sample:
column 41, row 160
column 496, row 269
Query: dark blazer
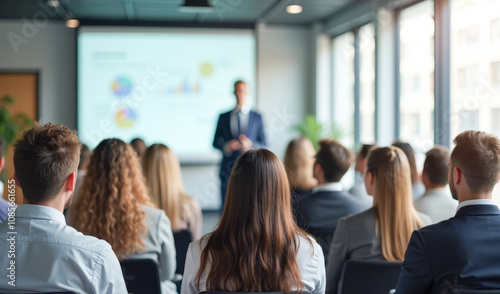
column 323, row 209
column 462, row 252
column 223, row 134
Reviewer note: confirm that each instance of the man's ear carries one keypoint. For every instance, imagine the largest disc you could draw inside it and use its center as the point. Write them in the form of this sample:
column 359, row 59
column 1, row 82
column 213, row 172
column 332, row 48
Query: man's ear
column 2, row 162
column 318, row 169
column 70, row 182
column 458, row 175
column 17, row 181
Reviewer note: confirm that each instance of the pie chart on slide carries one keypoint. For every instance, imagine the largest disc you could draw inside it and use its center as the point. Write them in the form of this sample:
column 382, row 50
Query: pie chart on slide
column 122, row 86
column 126, row 117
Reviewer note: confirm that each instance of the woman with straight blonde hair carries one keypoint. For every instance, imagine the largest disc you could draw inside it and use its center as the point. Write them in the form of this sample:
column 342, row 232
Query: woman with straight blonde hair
column 163, row 177
column 256, row 247
column 299, row 160
column 113, row 204
column 382, row 232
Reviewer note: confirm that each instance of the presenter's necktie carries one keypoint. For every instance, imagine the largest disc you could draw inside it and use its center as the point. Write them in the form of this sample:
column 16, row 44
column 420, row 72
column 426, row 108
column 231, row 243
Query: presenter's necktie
column 239, row 122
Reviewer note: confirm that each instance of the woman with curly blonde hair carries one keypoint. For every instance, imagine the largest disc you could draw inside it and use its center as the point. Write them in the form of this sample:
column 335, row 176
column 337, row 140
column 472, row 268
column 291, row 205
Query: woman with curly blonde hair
column 113, row 204
column 163, row 177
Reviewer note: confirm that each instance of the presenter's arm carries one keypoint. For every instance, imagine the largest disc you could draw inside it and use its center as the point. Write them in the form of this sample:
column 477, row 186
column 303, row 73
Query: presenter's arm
column 415, row 277
column 260, row 140
column 219, row 138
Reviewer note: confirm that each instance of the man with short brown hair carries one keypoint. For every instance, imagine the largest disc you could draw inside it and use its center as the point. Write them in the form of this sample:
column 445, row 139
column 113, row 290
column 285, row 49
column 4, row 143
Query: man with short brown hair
column 42, row 253
column 319, row 213
column 437, row 201
column 462, row 252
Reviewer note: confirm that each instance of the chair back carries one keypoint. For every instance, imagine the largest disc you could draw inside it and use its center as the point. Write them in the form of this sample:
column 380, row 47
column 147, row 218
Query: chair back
column 182, row 240
column 224, row 292
column 141, row 276
column 324, row 239
column 472, row 291
column 374, row 277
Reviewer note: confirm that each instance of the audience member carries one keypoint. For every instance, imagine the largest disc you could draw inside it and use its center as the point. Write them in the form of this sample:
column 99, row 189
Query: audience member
column 437, row 201
column 4, row 204
column 49, row 255
column 163, row 177
column 299, row 161
column 417, row 188
column 383, row 231
column 462, row 252
column 114, row 205
column 320, row 212
column 257, row 247
column 358, row 190
column 85, row 154
column 139, row 146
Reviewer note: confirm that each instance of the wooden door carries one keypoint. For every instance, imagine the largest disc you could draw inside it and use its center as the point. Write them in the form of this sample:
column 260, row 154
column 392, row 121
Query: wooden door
column 23, row 87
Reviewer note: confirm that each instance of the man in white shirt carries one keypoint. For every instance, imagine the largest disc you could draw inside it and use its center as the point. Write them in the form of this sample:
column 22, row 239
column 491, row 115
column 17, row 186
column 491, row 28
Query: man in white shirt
column 39, row 252
column 437, row 201
column 460, row 253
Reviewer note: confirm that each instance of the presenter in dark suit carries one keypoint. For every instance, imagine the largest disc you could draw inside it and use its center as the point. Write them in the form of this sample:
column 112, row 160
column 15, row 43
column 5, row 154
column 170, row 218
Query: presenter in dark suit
column 462, row 252
column 237, row 131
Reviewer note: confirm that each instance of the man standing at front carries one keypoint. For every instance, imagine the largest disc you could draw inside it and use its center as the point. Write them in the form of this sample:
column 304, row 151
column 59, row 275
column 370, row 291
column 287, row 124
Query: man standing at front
column 462, row 252
column 47, row 255
column 237, row 131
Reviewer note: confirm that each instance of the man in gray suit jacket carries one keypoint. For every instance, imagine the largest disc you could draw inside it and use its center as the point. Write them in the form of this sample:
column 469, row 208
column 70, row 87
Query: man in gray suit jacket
column 437, row 201
column 462, row 252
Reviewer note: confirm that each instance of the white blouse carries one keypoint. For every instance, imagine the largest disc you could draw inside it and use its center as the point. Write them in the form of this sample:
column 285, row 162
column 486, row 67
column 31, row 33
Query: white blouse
column 310, row 260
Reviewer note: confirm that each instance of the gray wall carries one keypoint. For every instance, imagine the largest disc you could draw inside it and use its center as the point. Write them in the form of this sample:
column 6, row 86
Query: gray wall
column 50, row 49
column 283, row 55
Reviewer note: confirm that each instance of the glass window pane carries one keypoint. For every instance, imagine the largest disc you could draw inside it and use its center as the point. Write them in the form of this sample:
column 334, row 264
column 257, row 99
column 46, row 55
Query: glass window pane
column 367, row 83
column 475, row 68
column 343, row 86
column 417, row 75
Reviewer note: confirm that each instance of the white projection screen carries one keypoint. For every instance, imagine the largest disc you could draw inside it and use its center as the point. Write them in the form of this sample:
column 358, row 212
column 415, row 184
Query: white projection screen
column 160, row 84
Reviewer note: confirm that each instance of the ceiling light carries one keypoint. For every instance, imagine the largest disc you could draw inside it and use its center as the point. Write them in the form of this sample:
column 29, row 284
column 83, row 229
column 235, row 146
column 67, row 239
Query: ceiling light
column 196, row 6
column 72, row 23
column 294, row 9
column 53, row 3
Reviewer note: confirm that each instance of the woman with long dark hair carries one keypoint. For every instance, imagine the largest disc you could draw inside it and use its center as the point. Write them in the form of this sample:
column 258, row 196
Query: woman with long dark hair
column 257, row 247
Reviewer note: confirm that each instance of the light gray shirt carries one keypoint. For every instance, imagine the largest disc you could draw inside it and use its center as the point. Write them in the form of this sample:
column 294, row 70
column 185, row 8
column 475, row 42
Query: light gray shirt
column 53, row 257
column 310, row 261
column 437, row 203
column 244, row 118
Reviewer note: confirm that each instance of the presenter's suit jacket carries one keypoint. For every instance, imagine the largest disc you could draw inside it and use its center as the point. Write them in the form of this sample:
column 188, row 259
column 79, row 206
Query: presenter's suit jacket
column 462, row 252
column 223, row 134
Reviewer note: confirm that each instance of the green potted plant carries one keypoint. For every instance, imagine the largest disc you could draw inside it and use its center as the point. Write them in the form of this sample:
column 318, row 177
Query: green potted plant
column 315, row 130
column 10, row 125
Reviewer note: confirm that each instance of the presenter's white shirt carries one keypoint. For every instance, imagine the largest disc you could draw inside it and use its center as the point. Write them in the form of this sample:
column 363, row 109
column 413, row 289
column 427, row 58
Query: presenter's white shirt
column 53, row 257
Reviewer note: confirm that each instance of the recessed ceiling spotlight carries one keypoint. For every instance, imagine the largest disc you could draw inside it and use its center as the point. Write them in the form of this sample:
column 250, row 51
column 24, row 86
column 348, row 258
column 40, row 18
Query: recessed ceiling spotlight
column 72, row 23
column 53, row 3
column 294, row 9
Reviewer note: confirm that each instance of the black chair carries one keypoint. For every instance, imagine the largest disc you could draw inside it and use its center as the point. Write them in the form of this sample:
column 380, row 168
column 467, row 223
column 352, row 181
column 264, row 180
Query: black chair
column 373, row 277
column 324, row 239
column 182, row 240
column 472, row 291
column 141, row 276
column 223, row 292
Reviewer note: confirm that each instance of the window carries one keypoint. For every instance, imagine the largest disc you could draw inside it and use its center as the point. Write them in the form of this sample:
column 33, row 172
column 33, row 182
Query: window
column 474, row 73
column 416, row 68
column 495, row 73
column 495, row 121
column 343, row 86
column 367, row 83
column 469, row 36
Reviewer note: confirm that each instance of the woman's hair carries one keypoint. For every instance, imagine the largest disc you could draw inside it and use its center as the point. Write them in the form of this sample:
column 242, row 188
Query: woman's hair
column 410, row 154
column 163, row 177
column 299, row 160
column 254, row 248
column 108, row 203
column 392, row 200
